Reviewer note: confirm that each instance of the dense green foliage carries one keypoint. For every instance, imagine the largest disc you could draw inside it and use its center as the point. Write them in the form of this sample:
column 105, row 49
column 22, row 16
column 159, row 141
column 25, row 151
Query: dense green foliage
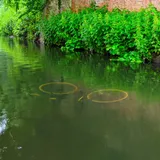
column 20, row 18
column 127, row 36
column 131, row 36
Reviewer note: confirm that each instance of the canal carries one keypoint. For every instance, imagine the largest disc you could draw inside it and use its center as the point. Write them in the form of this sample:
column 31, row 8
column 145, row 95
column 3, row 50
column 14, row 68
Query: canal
column 54, row 107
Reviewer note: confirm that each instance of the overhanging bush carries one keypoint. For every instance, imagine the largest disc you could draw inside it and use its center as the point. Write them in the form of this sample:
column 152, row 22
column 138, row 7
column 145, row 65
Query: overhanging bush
column 22, row 22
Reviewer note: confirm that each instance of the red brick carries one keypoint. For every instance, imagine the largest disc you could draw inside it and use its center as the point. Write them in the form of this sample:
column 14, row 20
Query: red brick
column 127, row 4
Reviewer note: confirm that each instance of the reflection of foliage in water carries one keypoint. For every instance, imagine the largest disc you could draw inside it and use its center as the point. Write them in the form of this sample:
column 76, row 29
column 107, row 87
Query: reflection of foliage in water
column 21, row 54
column 99, row 74
column 92, row 73
column 17, row 63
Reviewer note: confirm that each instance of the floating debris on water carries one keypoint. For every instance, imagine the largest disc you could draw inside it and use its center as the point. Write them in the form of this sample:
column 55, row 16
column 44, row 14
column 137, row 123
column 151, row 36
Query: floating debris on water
column 35, row 94
column 80, row 98
column 100, row 92
column 52, row 98
column 75, row 88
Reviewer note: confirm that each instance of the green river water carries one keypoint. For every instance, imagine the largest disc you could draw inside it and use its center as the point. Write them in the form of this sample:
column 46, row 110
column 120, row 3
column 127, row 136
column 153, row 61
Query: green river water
column 35, row 125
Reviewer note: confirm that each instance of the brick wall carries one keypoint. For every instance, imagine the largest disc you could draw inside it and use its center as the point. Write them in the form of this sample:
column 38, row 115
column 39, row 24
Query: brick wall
column 128, row 4
column 76, row 4
column 52, row 6
column 134, row 4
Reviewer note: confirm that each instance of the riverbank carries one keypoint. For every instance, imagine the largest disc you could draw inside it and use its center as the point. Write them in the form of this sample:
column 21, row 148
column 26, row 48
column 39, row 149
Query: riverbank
column 122, row 34
column 128, row 36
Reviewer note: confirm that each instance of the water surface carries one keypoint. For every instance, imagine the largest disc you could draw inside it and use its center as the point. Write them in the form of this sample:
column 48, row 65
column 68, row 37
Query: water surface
column 35, row 125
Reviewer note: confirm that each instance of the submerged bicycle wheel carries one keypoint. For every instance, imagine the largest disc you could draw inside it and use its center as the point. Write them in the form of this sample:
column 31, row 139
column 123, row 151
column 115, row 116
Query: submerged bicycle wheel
column 75, row 88
column 107, row 95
